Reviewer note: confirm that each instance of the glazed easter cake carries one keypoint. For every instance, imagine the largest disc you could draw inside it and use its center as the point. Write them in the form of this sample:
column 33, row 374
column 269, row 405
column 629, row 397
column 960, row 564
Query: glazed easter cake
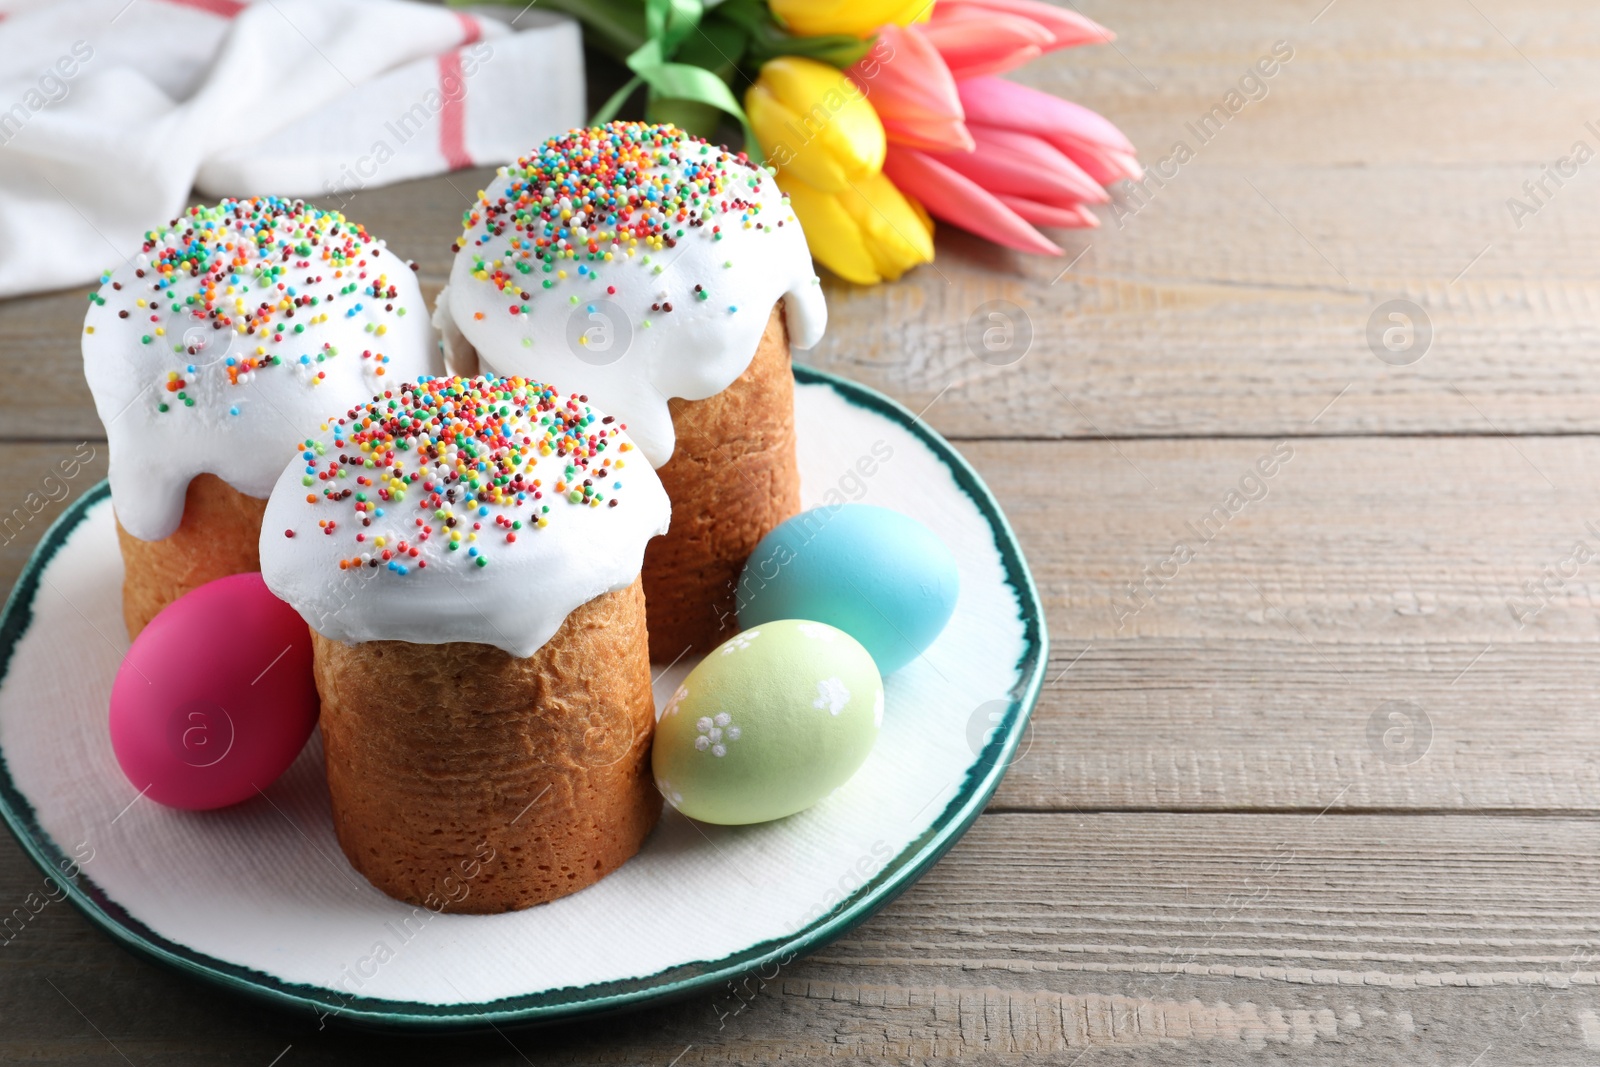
column 468, row 575
column 234, row 329
column 667, row 279
column 466, row 552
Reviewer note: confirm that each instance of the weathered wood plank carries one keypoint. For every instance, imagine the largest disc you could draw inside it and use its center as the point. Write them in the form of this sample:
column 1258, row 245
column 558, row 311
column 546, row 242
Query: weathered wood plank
column 42, row 479
column 1276, row 725
column 1355, row 539
column 1371, row 571
column 1171, row 939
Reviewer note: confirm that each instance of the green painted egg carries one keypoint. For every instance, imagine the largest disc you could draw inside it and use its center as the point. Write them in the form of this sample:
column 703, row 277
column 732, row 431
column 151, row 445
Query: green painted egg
column 769, row 723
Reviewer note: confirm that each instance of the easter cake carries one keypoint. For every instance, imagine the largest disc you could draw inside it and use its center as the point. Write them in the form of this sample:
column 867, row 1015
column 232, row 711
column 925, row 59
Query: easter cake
column 467, row 553
column 667, row 279
column 234, row 329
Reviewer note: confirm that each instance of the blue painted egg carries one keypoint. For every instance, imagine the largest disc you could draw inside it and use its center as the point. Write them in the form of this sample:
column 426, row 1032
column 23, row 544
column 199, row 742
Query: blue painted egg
column 880, row 576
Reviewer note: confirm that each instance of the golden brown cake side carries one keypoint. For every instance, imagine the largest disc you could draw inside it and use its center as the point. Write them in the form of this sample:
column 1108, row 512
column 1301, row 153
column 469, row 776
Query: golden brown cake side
column 466, row 779
column 733, row 477
column 220, row 535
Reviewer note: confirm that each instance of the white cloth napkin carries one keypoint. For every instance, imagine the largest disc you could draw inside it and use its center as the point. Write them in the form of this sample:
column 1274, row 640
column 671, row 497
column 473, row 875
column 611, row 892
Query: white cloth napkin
column 110, row 110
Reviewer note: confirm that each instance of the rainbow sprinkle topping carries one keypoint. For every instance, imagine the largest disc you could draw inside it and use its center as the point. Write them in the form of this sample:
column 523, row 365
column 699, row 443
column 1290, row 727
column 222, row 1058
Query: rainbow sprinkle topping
column 246, row 274
column 457, row 448
column 606, row 194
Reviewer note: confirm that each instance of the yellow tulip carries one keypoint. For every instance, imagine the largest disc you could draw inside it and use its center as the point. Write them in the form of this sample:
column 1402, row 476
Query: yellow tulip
column 867, row 233
column 858, row 18
column 815, row 123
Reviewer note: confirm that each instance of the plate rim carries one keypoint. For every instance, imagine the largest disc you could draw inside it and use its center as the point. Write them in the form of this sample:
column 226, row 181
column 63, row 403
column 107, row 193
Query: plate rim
column 571, row 1002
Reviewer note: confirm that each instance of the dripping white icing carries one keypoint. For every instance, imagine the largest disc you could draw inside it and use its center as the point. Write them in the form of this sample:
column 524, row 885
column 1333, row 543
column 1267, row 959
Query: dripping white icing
column 402, row 581
column 244, row 420
column 603, row 329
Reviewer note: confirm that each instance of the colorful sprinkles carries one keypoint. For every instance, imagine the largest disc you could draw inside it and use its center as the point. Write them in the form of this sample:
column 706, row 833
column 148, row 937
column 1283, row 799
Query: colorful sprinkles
column 464, row 452
column 253, row 277
column 592, row 199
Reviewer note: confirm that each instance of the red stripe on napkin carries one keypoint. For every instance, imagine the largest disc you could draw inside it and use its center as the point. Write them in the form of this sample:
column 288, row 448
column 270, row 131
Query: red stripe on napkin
column 470, row 26
column 453, row 119
column 222, row 8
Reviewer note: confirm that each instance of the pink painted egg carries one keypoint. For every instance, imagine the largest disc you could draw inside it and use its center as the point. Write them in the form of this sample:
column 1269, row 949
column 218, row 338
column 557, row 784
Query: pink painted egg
column 216, row 697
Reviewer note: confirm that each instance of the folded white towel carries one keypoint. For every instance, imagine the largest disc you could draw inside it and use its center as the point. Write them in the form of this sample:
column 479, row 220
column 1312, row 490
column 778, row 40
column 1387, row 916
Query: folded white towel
column 111, row 110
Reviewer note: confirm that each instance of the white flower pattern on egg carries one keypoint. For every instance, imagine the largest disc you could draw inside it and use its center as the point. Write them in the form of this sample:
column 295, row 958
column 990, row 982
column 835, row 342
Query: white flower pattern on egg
column 668, row 790
column 739, row 642
column 672, row 705
column 831, row 694
column 716, row 734
column 818, row 632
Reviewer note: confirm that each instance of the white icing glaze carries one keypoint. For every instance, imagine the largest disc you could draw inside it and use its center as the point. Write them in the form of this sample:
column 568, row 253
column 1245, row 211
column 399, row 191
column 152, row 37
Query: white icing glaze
column 242, row 428
column 428, row 593
column 694, row 351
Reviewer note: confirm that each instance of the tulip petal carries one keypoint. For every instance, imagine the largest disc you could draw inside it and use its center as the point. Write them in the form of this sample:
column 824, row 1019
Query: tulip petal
column 981, row 21
column 1128, row 162
column 912, row 91
column 858, row 18
column 894, row 232
column 997, row 102
column 985, row 65
column 922, row 212
column 1033, row 155
column 962, row 202
column 976, row 46
column 1075, row 217
column 1067, row 28
column 1002, row 174
column 935, row 136
column 1104, row 165
column 904, row 66
column 833, row 236
column 780, row 132
column 831, row 114
column 812, row 120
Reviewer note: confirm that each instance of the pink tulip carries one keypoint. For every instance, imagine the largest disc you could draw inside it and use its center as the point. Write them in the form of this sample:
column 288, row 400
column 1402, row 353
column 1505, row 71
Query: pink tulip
column 1036, row 164
column 982, row 153
column 912, row 90
column 1086, row 138
column 987, row 43
column 958, row 199
column 980, row 37
column 997, row 102
column 1068, row 28
column 1075, row 217
column 1104, row 165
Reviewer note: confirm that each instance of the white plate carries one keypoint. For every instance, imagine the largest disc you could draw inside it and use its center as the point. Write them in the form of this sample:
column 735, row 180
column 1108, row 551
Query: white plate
column 260, row 899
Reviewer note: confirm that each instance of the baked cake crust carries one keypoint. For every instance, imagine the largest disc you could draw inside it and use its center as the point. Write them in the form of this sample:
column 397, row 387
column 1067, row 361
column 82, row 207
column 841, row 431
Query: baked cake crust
column 733, row 477
column 466, row 779
column 220, row 535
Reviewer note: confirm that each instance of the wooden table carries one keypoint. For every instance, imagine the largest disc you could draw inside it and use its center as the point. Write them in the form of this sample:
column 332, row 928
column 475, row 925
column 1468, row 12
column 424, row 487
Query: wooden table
column 1326, row 790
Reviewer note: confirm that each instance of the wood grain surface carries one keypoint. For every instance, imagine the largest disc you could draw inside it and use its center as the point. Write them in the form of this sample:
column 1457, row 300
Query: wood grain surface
column 1316, row 778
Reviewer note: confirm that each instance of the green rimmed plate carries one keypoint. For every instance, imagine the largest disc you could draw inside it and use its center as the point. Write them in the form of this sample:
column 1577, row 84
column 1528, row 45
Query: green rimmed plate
column 259, row 899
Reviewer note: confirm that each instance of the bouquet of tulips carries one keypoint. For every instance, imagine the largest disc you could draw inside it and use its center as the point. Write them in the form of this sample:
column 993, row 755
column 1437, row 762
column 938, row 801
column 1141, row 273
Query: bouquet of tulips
column 878, row 116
